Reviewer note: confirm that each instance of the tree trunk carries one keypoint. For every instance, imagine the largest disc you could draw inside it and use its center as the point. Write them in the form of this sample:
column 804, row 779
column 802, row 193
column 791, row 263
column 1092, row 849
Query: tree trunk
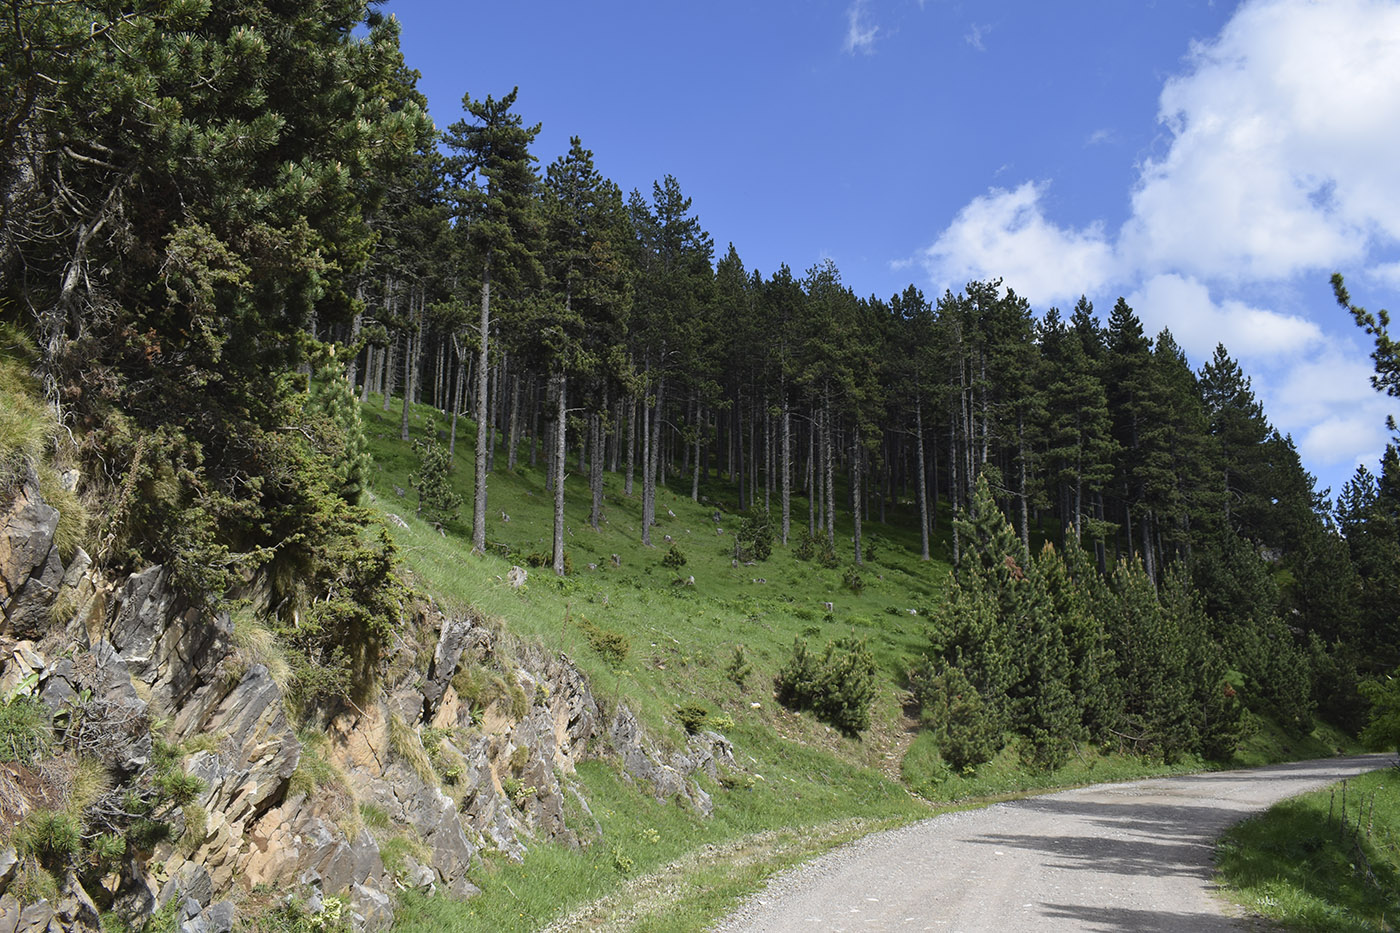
column 922, row 484
column 953, row 484
column 595, row 464
column 513, row 435
column 457, row 406
column 648, row 452
column 483, row 433
column 787, row 470
column 695, row 467
column 631, row 443
column 767, row 458
column 739, row 440
column 369, row 373
column 1023, row 492
column 1149, row 562
column 560, row 452
column 856, row 496
column 411, row 357
column 653, row 466
column 494, row 393
column 534, row 406
column 829, row 460
column 811, row 474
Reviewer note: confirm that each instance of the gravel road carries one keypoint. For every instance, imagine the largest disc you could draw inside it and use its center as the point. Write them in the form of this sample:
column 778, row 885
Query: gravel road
column 1111, row 857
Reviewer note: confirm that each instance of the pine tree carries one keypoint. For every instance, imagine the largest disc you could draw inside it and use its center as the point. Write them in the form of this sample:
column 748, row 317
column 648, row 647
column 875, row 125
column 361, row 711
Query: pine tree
column 1080, row 448
column 438, row 501
column 1215, row 724
column 492, row 183
column 584, row 317
column 1151, row 655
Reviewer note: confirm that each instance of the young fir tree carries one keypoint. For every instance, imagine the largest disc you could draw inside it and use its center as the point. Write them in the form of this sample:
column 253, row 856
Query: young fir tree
column 1072, row 602
column 1048, row 712
column 438, row 501
column 1214, row 705
column 331, row 397
column 1151, row 656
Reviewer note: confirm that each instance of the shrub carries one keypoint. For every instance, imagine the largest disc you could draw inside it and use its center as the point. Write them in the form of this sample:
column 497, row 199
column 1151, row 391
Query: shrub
column 754, row 539
column 1382, row 731
column 847, row 685
column 796, row 681
column 674, row 559
column 611, row 646
column 852, row 580
column 816, row 547
column 52, row 837
column 962, row 724
column 518, row 791
column 179, row 788
column 691, row 716
column 839, row 686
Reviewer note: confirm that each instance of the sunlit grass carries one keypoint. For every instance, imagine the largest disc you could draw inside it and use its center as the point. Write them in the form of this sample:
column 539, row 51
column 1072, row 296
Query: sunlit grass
column 1298, row 865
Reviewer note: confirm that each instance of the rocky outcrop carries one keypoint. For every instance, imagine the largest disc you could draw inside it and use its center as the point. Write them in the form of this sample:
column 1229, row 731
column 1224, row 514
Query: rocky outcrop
column 474, row 753
column 30, row 569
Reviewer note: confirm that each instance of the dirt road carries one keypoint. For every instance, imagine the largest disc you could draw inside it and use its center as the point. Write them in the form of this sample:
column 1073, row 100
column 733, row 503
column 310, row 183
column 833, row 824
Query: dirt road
column 1112, row 857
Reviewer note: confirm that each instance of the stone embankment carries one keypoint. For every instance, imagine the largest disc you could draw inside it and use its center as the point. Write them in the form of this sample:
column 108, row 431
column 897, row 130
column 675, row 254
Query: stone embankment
column 468, row 745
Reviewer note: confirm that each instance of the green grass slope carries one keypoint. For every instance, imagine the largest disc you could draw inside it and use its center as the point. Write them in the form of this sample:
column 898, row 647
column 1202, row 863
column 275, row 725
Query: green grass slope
column 803, row 785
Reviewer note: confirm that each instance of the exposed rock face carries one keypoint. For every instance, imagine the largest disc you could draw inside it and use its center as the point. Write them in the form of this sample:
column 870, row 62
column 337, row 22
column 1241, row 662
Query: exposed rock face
column 447, row 774
column 30, row 569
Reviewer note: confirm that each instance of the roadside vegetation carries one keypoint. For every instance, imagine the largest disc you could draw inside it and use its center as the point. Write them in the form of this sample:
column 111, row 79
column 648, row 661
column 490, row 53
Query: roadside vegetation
column 1329, row 860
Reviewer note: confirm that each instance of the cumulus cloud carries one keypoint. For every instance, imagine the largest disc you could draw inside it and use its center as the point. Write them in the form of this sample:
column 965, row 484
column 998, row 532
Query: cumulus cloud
column 1005, row 234
column 1277, row 160
column 860, row 34
column 1198, row 322
column 1275, row 128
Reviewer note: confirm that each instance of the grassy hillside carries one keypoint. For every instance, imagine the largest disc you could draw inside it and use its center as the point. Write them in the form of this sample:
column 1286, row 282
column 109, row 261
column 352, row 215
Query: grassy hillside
column 803, row 785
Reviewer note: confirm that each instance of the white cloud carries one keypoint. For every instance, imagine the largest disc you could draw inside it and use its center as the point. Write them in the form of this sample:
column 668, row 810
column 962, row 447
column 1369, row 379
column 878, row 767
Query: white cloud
column 1198, row 322
column 1388, row 273
column 975, row 32
column 860, row 35
column 1277, row 132
column 1100, row 137
column 1335, row 441
column 1005, row 234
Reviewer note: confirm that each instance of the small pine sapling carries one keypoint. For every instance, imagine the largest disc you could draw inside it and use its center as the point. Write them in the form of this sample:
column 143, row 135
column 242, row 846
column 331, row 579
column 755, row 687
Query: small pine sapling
column 437, row 500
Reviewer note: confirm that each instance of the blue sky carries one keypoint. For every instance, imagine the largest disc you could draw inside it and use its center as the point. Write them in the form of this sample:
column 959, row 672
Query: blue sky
column 1211, row 162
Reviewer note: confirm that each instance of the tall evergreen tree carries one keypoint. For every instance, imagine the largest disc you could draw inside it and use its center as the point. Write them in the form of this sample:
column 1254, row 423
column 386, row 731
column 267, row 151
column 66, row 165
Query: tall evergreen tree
column 492, row 184
column 583, row 321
